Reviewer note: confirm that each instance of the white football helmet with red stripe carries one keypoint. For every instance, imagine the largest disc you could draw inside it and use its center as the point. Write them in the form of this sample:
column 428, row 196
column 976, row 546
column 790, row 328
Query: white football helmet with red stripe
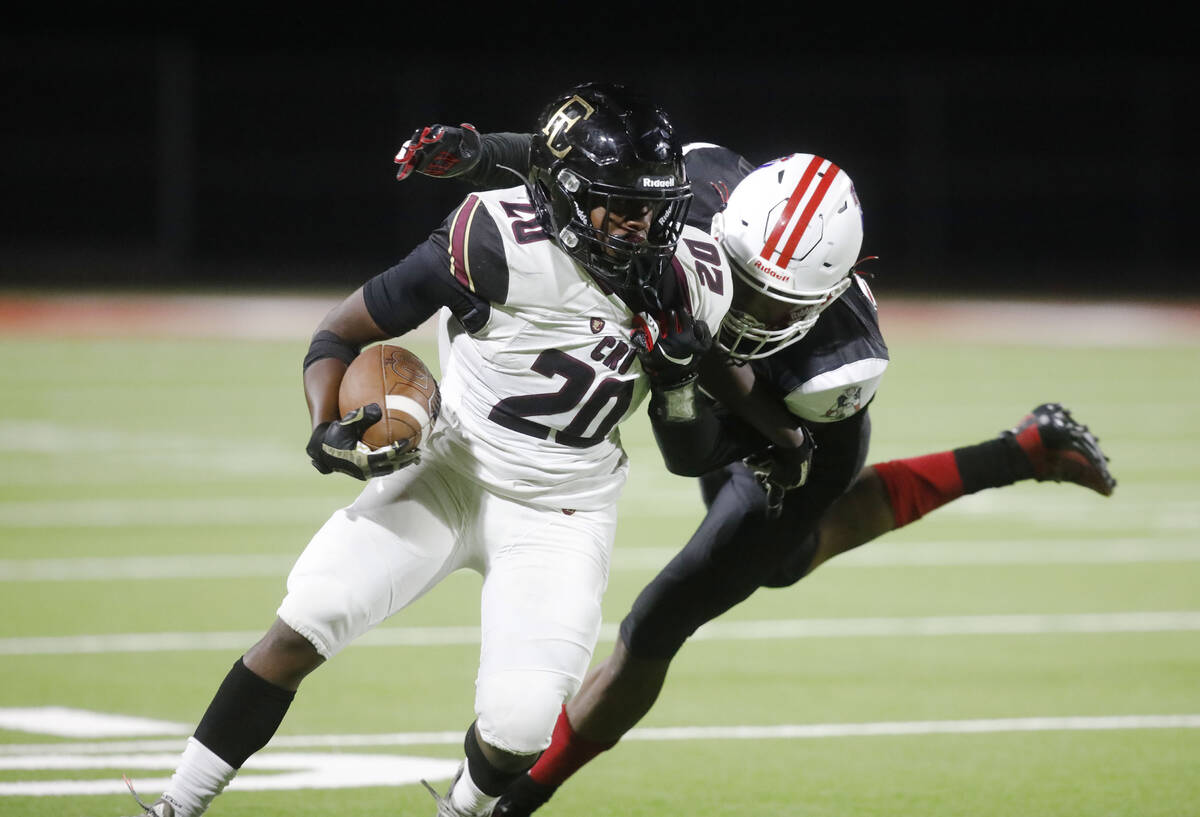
column 793, row 231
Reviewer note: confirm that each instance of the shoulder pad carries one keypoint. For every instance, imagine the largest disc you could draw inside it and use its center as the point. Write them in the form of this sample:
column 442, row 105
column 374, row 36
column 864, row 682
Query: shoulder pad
column 705, row 268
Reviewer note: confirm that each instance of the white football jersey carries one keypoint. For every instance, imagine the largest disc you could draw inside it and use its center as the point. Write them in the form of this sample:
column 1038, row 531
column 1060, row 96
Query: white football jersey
column 532, row 398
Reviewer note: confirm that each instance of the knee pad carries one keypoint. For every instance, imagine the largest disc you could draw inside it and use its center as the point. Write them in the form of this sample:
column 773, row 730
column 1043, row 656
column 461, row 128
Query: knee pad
column 516, row 709
column 325, row 612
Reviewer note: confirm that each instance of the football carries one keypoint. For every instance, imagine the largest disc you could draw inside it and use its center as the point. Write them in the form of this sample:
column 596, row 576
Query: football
column 403, row 387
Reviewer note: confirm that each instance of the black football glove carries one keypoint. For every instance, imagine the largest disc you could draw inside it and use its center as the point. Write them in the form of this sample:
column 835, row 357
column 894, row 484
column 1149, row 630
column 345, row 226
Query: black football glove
column 780, row 470
column 440, row 151
column 337, row 446
column 670, row 352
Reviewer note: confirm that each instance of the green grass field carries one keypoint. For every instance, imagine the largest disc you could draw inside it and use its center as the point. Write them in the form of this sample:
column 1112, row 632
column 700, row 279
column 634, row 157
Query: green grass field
column 1033, row 650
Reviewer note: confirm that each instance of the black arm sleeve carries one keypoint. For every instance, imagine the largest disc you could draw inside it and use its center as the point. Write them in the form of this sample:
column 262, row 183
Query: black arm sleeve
column 403, row 297
column 714, row 439
column 462, row 265
column 500, row 151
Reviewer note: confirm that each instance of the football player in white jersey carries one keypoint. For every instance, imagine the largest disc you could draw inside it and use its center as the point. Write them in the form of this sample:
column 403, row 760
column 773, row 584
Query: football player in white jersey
column 804, row 328
column 570, row 297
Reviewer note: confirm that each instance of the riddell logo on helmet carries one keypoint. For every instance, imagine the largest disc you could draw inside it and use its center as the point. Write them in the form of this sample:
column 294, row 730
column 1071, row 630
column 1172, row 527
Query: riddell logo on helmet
column 656, row 181
column 760, row 265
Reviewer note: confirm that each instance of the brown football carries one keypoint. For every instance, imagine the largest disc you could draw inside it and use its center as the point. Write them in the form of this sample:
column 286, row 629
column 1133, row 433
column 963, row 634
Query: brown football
column 403, row 387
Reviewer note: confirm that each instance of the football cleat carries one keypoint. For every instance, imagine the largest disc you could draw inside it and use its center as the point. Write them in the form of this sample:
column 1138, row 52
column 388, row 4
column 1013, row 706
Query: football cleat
column 522, row 798
column 1062, row 450
column 444, row 806
column 159, row 808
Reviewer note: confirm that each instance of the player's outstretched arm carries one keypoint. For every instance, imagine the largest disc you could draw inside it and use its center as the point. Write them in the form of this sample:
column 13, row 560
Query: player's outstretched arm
column 483, row 160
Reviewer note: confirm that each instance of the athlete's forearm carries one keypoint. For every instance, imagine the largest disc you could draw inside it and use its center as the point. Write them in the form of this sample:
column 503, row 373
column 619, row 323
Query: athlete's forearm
column 709, row 440
column 736, row 388
column 342, row 333
column 321, row 382
column 503, row 161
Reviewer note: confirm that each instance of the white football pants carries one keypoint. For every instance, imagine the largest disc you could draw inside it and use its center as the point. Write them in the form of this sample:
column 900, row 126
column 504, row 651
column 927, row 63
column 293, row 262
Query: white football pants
column 544, row 571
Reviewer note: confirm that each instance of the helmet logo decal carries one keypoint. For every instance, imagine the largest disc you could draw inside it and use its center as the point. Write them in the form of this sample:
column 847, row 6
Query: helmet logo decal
column 802, row 189
column 769, row 270
column 573, row 110
column 654, row 182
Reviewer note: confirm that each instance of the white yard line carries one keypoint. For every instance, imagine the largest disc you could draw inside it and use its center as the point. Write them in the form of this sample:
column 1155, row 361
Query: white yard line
column 288, row 771
column 981, row 726
column 69, row 722
column 914, row 626
column 676, row 733
column 882, row 554
column 169, row 512
column 1074, row 511
column 289, row 768
column 131, row 568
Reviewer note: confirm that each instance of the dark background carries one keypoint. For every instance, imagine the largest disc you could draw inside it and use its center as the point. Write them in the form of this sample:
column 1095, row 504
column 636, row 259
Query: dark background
column 1021, row 154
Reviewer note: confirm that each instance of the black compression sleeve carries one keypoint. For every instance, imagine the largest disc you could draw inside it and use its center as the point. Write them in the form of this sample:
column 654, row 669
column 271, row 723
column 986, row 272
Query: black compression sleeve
column 243, row 715
column 490, row 780
column 992, row 464
column 403, row 297
column 500, row 151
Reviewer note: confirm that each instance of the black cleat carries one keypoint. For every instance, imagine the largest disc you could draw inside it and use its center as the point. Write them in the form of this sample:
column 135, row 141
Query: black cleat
column 522, row 798
column 1062, row 450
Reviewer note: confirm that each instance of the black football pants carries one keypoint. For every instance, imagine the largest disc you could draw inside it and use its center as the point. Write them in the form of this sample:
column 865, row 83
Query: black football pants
column 737, row 549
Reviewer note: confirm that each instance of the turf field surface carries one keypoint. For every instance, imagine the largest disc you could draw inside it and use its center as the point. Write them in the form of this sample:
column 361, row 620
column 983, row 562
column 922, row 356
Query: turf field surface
column 1030, row 650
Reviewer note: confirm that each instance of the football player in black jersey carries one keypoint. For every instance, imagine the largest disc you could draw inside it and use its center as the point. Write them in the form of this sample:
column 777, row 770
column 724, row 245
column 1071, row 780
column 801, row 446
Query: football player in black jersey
column 804, row 330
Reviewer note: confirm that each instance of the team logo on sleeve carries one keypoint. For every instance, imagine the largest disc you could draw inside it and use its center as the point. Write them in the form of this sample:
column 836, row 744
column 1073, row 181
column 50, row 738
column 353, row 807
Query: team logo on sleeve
column 849, row 402
column 563, row 120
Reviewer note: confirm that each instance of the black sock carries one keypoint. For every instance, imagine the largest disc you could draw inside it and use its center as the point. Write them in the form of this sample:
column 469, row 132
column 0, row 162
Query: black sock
column 490, row 780
column 992, row 464
column 243, row 715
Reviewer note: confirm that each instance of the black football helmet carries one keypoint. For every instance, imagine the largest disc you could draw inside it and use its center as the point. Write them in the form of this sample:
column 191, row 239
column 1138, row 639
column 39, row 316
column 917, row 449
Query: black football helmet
column 602, row 146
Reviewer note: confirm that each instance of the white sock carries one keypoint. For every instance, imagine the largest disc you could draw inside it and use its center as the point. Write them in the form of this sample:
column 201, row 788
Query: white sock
column 466, row 796
column 199, row 778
